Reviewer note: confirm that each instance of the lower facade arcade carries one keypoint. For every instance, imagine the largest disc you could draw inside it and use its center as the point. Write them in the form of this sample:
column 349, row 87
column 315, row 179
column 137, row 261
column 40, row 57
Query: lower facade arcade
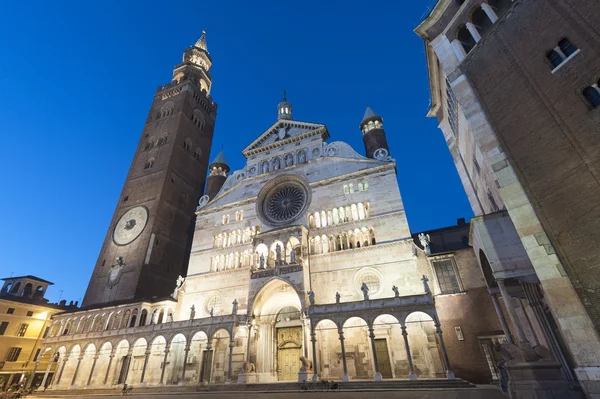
column 279, row 340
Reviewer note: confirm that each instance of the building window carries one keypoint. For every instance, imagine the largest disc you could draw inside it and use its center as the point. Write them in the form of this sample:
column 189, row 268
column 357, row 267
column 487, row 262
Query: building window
column 364, row 186
column 493, row 203
column 3, row 327
column 476, row 164
column 22, row 330
column 46, row 331
column 561, row 53
column 10, row 310
column 149, row 164
column 37, row 354
column 13, row 354
column 446, row 276
column 466, row 39
column 592, row 95
column 451, row 108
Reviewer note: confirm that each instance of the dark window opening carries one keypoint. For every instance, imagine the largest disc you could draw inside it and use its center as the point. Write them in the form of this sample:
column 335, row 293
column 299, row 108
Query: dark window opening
column 592, row 95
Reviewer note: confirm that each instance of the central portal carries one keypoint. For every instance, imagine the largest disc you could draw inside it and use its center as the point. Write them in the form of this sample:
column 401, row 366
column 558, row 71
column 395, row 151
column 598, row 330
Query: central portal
column 289, row 350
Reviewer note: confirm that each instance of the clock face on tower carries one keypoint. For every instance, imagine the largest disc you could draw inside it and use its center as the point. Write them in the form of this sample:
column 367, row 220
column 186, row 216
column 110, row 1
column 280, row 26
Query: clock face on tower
column 130, row 225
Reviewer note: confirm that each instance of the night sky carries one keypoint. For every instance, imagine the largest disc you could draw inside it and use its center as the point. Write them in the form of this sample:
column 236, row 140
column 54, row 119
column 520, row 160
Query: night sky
column 78, row 79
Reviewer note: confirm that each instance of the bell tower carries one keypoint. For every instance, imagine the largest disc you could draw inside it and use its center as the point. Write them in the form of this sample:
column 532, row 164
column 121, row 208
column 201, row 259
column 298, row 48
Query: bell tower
column 148, row 242
column 376, row 145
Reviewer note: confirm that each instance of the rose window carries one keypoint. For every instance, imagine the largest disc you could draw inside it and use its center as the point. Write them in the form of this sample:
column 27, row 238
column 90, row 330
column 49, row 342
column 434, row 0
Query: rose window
column 285, row 204
column 283, row 201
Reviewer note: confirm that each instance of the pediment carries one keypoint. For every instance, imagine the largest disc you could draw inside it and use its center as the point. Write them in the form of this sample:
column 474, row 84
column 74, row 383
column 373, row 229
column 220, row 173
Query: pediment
column 283, row 132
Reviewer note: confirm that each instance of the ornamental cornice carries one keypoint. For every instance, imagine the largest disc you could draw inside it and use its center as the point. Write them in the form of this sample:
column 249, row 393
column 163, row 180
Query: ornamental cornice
column 226, row 249
column 322, row 131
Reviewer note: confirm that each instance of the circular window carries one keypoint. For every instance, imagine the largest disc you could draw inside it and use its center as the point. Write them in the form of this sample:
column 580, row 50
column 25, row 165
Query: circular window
column 371, row 277
column 283, row 201
column 215, row 303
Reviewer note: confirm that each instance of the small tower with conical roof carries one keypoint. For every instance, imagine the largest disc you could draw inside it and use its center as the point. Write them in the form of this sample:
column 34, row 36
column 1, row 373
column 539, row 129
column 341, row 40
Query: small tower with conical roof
column 218, row 174
column 284, row 109
column 373, row 133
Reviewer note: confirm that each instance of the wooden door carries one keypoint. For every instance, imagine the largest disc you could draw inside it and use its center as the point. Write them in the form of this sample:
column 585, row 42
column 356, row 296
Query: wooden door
column 383, row 358
column 288, row 364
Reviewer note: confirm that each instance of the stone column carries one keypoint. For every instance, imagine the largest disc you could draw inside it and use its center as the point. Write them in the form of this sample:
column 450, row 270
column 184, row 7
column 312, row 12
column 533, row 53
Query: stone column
column 207, row 362
column 378, row 376
column 341, row 333
column 230, row 361
column 489, row 12
column 521, row 338
column 62, row 368
column 110, row 359
column 501, row 318
column 411, row 373
column 164, row 365
column 32, row 377
column 438, row 330
column 43, row 385
column 313, row 339
column 185, row 359
column 89, row 380
column 146, row 357
column 473, row 31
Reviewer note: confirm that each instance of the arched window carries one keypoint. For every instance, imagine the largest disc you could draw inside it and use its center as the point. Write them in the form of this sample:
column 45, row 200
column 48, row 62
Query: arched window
column 161, row 316
column 342, row 215
column 311, row 221
column 149, row 164
column 354, row 212
column 27, row 291
column 567, row 47
column 592, row 95
column 187, row 144
column 561, row 52
column 150, row 143
column 163, row 139
column 317, row 219
column 361, row 211
column 325, row 244
column 323, row 219
column 481, row 21
column 134, row 315
column 346, row 189
column 39, row 292
column 554, row 57
column 143, row 317
column 466, row 39
column 372, row 235
column 15, row 288
column 197, row 153
column 367, row 209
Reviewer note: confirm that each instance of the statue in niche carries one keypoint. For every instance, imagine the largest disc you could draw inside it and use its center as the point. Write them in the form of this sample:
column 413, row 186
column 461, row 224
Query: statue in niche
column 276, row 164
column 337, row 297
column 293, row 256
column 192, row 312
column 235, row 306
column 261, row 261
column 311, row 297
column 289, row 160
column 396, row 293
column 365, row 289
column 301, row 157
column 425, row 242
column 170, row 317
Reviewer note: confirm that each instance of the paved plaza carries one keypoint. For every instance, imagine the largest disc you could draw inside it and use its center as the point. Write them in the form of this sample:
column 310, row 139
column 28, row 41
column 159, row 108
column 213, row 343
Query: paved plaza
column 467, row 393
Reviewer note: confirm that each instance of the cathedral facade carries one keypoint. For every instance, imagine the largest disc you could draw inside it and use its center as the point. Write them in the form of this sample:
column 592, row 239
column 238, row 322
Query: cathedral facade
column 301, row 267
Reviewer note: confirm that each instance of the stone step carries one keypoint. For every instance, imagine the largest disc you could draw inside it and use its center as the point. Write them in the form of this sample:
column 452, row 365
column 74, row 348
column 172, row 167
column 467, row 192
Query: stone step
column 271, row 387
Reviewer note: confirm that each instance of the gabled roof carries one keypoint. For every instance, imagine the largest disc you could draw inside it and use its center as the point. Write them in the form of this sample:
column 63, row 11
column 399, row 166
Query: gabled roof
column 283, row 132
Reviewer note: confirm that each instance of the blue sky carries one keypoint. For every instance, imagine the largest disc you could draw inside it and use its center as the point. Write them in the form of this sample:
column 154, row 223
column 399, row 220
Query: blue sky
column 78, row 79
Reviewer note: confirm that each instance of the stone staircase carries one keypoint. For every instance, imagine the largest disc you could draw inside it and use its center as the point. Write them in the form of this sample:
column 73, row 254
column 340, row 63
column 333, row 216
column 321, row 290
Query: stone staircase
column 358, row 385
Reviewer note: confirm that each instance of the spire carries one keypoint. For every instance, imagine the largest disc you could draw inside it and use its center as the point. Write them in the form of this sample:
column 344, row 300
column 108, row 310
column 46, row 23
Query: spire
column 201, row 43
column 284, row 108
column 220, row 158
column 370, row 121
column 368, row 113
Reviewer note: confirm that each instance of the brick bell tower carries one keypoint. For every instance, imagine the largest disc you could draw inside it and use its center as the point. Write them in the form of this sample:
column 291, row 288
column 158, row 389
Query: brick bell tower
column 149, row 239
